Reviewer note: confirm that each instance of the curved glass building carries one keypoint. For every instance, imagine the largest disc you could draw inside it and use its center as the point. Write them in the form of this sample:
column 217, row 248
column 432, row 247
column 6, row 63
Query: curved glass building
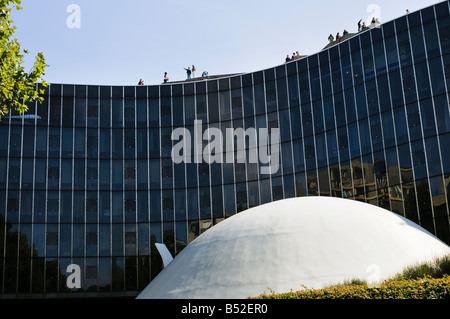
column 94, row 176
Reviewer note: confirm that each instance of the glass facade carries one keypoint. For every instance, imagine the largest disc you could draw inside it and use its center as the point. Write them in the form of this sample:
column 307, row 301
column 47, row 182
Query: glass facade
column 88, row 178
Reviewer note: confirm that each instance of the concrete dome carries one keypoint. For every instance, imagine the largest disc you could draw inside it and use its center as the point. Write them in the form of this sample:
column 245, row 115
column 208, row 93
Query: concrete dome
column 309, row 241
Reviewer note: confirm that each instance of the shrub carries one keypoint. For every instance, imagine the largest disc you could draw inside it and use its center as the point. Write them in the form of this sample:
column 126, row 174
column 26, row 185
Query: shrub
column 423, row 288
column 424, row 281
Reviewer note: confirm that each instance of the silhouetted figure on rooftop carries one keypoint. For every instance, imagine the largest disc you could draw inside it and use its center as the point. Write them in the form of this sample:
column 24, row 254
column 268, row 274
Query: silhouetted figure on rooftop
column 188, row 72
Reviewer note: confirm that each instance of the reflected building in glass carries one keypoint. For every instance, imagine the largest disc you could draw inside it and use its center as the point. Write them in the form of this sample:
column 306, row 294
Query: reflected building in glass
column 87, row 177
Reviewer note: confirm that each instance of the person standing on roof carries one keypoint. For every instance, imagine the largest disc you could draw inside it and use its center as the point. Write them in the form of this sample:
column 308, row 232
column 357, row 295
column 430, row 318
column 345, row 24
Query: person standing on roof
column 141, row 82
column 193, row 71
column 338, row 36
column 331, row 38
column 188, row 72
column 166, row 77
column 359, row 25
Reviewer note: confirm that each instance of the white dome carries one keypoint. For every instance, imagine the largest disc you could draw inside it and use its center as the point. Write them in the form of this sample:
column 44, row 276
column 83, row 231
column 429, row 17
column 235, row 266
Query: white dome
column 309, row 241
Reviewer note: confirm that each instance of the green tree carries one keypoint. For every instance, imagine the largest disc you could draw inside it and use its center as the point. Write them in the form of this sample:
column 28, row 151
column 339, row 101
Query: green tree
column 17, row 87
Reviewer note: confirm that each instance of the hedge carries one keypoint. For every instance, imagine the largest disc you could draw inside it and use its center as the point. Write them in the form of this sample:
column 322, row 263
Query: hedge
column 422, row 288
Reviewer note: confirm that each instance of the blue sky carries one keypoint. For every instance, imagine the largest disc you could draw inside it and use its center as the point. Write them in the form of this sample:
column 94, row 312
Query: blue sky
column 119, row 42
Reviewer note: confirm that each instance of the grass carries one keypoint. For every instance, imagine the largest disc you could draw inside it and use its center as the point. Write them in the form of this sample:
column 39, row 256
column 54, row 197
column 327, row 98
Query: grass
column 424, row 281
column 435, row 269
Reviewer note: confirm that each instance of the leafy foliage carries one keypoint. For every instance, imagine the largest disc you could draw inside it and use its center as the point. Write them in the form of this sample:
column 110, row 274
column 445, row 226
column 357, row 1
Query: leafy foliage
column 424, row 281
column 423, row 288
column 17, row 87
